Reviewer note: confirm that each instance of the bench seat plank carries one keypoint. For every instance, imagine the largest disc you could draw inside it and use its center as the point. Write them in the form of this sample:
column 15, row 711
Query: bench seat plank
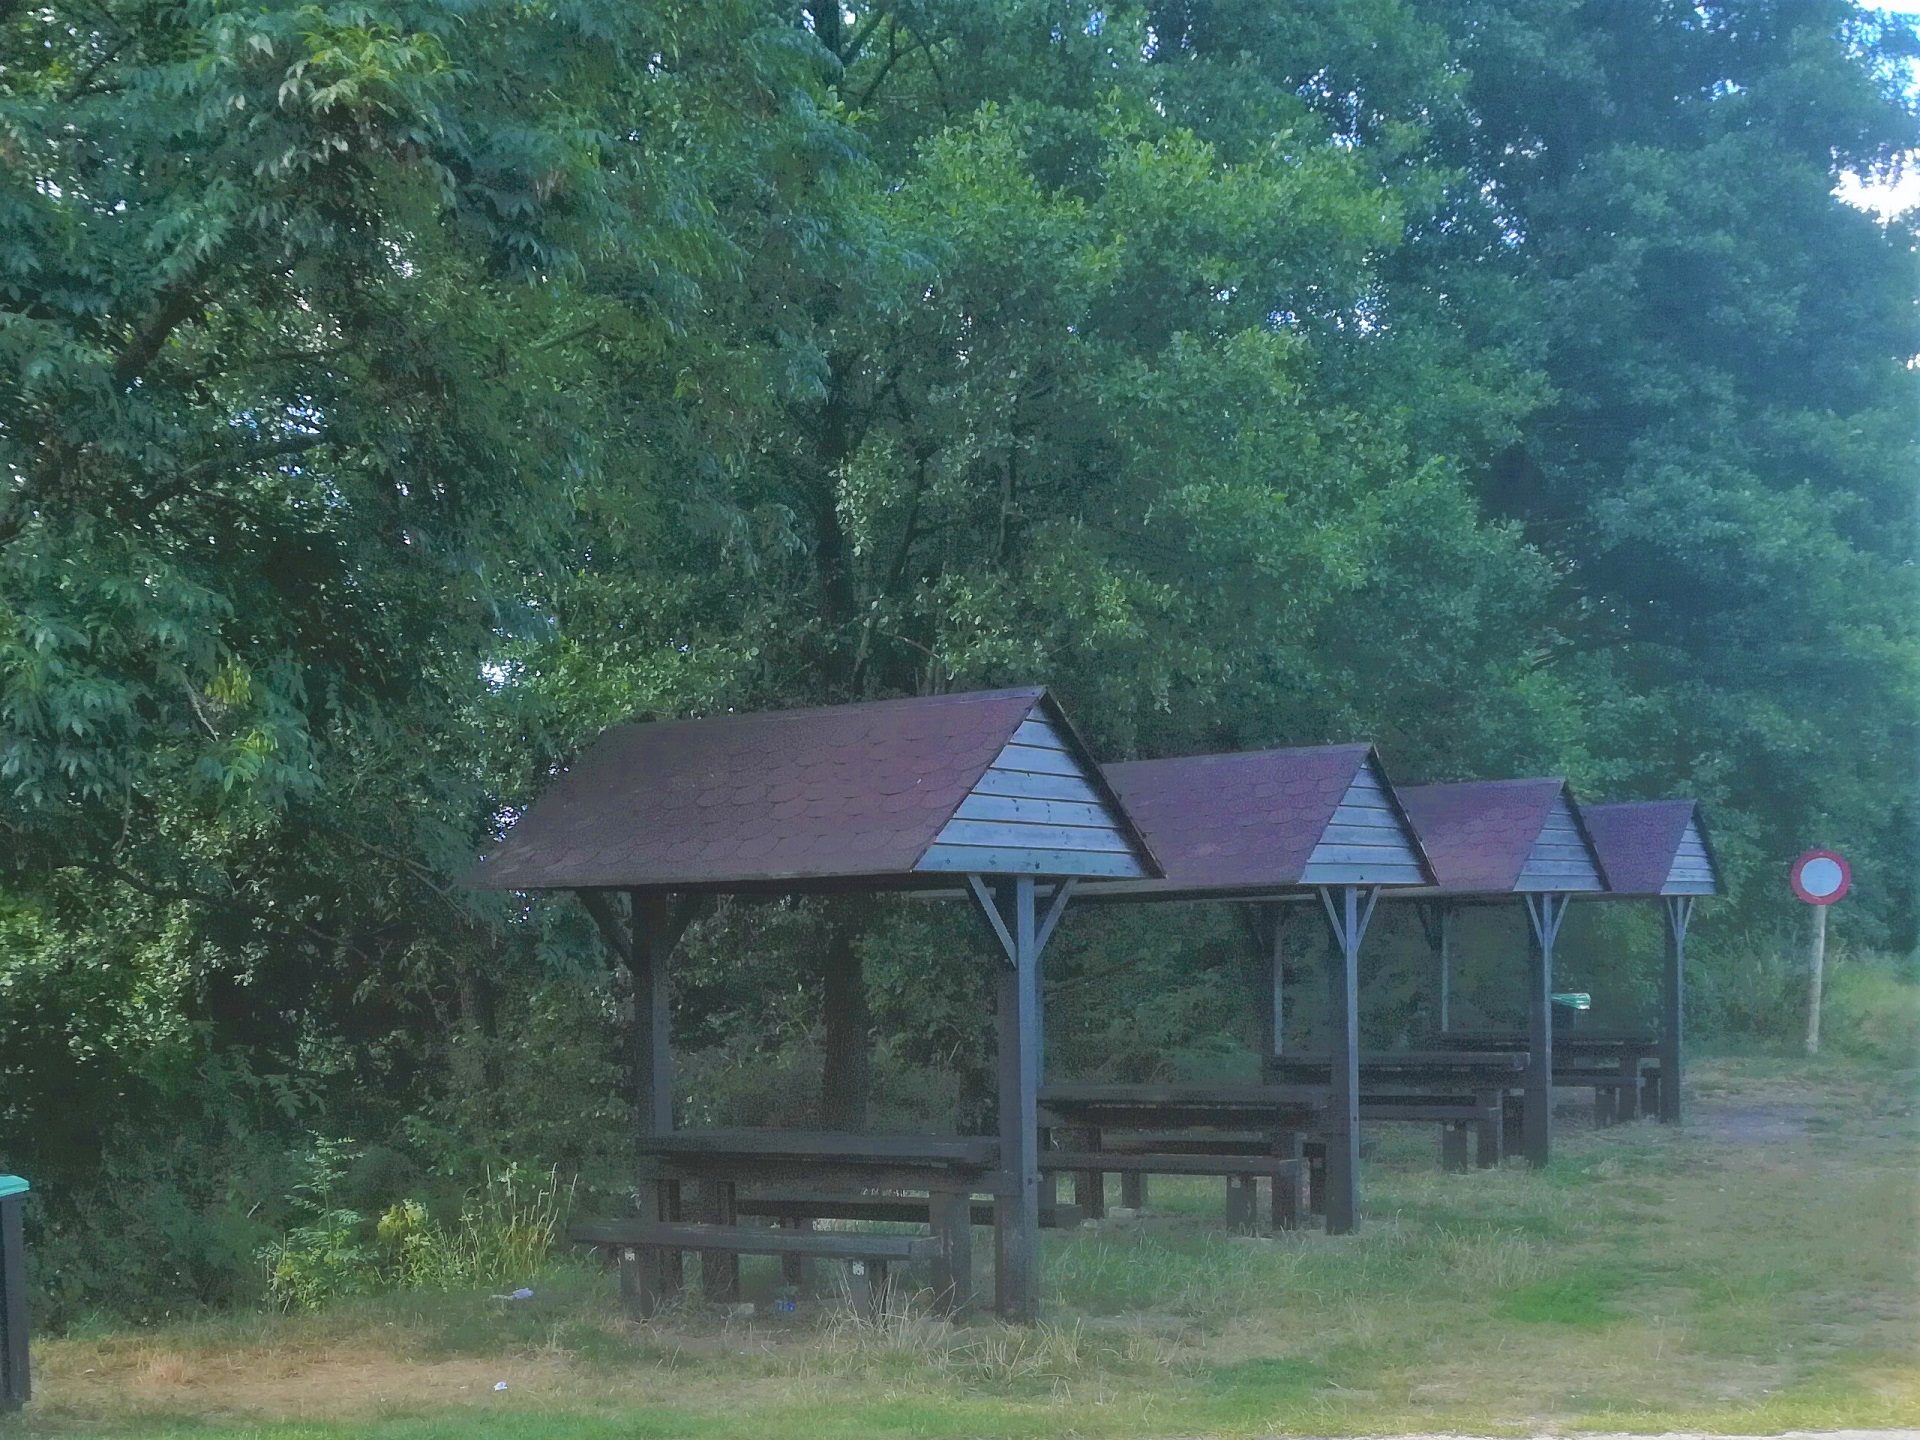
column 1183, row 1163
column 903, row 1209
column 753, row 1240
column 959, row 1152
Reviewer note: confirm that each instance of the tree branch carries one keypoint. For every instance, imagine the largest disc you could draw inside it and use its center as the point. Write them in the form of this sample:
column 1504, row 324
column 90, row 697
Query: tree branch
column 174, row 311
column 207, row 469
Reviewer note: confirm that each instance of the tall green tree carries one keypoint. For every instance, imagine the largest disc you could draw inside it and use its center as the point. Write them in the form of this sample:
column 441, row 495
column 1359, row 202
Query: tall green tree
column 1725, row 466
column 298, row 388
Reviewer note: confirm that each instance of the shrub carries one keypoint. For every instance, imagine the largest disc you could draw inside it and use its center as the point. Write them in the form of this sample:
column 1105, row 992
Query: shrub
column 504, row 1234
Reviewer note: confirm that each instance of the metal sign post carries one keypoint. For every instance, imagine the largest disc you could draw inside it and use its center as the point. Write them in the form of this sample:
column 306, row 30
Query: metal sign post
column 1819, row 877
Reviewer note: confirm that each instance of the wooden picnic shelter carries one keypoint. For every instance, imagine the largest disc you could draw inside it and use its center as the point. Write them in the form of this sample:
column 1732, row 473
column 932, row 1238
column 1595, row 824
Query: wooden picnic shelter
column 1257, row 829
column 1660, row 849
column 1491, row 841
column 991, row 788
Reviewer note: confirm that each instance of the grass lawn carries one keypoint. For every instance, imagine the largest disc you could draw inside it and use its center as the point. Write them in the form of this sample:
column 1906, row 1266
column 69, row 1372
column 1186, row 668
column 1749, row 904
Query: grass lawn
column 1752, row 1272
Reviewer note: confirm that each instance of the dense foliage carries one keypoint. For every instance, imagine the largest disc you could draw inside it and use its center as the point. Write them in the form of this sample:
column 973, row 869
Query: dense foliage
column 393, row 392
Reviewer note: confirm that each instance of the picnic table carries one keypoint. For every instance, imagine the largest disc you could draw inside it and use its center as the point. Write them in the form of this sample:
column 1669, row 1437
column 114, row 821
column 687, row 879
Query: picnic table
column 1138, row 1130
column 1622, row 1070
column 1098, row 1118
column 947, row 1171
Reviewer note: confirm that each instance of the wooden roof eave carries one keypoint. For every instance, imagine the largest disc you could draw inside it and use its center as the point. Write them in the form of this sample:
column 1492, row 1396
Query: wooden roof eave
column 1706, row 843
column 1411, row 830
column 1580, row 824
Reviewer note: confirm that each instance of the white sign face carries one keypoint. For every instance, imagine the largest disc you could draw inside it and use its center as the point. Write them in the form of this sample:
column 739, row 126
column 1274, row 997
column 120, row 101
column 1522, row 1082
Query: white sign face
column 1821, row 877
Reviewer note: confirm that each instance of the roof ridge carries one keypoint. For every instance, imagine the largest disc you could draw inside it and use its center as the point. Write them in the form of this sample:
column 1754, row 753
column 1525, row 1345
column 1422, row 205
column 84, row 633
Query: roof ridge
column 1025, row 692
column 1245, row 754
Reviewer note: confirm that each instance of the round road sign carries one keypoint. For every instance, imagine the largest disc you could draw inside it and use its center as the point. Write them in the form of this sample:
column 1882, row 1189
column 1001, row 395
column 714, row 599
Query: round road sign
column 1821, row 877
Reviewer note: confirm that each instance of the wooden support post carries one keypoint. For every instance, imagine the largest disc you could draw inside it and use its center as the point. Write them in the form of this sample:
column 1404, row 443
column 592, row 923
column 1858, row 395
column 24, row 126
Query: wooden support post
column 951, row 1214
column 1626, row 1104
column 655, row 1275
column 1348, row 913
column 1017, row 1212
column 1489, row 1139
column 794, row 1268
column 846, row 1022
column 1090, row 1186
column 1263, row 925
column 1436, row 922
column 1023, row 934
column 1133, row 1190
column 1453, row 1147
column 1276, row 958
column 1672, row 1003
column 719, row 1269
column 1287, row 1185
column 1545, row 912
column 1241, row 1202
column 868, row 1288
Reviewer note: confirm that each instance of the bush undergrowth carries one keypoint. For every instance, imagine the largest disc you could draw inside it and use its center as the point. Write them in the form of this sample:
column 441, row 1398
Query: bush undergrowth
column 503, row 1234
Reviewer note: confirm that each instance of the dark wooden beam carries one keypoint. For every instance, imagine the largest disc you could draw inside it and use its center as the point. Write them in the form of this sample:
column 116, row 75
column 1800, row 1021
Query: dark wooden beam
column 1348, row 909
column 1545, row 912
column 1436, row 923
column 1679, row 913
column 1017, row 1212
column 651, row 1276
column 846, row 1020
column 613, row 930
column 1009, row 906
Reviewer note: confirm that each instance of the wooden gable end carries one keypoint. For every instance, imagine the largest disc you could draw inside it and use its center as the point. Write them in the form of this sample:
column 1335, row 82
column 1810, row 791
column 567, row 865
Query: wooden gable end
column 1692, row 872
column 1561, row 858
column 1366, row 842
column 1037, row 811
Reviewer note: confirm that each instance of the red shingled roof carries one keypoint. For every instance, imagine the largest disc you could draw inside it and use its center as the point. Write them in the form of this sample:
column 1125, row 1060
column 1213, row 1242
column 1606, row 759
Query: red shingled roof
column 1478, row 833
column 770, row 800
column 1637, row 841
column 1244, row 820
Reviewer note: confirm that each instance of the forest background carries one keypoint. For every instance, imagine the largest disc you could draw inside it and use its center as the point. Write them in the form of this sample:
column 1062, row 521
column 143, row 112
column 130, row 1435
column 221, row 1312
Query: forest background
column 395, row 392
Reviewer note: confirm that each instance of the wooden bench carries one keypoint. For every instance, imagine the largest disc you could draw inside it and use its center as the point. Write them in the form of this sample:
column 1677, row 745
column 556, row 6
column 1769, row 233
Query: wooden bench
column 1281, row 1114
column 1241, row 1170
column 868, row 1256
column 950, row 1170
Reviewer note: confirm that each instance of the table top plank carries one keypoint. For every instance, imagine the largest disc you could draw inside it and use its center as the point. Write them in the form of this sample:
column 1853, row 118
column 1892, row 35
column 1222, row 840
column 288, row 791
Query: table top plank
column 826, row 1148
column 1184, row 1093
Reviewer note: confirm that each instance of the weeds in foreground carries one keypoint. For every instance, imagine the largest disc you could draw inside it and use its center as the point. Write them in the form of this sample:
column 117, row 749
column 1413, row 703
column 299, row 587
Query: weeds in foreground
column 505, row 1234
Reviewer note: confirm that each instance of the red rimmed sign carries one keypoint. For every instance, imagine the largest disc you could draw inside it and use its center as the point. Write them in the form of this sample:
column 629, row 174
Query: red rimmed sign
column 1821, row 877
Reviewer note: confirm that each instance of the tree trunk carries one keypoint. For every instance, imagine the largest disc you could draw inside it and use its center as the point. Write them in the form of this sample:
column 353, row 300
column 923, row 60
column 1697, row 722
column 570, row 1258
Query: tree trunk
column 846, row 1067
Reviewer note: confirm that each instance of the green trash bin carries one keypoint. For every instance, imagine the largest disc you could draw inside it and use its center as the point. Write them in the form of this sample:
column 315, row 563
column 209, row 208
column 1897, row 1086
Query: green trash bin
column 14, row 1381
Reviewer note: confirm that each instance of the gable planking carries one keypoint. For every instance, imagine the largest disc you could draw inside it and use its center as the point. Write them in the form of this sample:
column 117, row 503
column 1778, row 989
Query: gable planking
column 1692, row 872
column 1035, row 812
column 1366, row 842
column 1561, row 858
